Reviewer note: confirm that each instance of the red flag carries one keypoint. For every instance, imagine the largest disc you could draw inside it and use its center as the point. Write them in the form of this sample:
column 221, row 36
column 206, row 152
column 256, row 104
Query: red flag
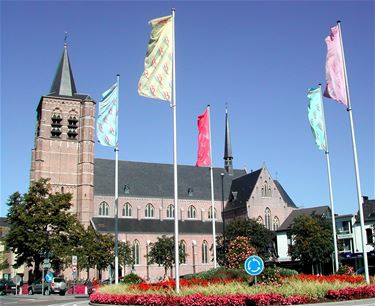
column 204, row 158
column 335, row 75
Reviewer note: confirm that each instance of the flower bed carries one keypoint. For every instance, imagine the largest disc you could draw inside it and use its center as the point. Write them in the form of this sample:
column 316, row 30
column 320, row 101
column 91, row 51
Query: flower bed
column 300, row 289
column 353, row 279
column 198, row 299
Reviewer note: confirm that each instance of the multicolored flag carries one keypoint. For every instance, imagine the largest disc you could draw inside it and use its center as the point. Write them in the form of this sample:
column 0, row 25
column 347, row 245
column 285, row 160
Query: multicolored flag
column 106, row 127
column 156, row 80
column 335, row 76
column 316, row 117
column 204, row 155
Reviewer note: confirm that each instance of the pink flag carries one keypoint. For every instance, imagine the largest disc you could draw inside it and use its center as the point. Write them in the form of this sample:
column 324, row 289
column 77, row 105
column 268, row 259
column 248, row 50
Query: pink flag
column 204, row 158
column 335, row 76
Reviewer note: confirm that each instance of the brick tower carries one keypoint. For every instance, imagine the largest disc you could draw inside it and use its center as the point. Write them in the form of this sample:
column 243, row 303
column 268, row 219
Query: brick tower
column 64, row 141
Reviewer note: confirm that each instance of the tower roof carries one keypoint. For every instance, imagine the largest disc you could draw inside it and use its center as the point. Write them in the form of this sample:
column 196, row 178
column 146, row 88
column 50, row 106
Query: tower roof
column 228, row 145
column 63, row 83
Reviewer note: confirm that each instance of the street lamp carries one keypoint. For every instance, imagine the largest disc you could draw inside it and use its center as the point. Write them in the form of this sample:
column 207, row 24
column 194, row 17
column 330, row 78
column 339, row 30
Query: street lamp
column 222, row 213
column 194, row 243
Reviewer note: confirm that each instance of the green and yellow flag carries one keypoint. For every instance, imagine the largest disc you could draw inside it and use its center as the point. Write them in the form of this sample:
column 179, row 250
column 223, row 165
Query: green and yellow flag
column 316, row 117
column 156, row 80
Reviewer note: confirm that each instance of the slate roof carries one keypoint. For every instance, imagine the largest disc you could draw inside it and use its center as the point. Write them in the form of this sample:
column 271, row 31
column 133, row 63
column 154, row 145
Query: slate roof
column 242, row 188
column 368, row 211
column 155, row 226
column 320, row 210
column 284, row 195
column 63, row 84
column 156, row 180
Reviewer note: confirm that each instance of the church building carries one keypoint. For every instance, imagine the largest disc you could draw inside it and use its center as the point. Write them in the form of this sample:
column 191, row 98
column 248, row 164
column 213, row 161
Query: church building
column 64, row 152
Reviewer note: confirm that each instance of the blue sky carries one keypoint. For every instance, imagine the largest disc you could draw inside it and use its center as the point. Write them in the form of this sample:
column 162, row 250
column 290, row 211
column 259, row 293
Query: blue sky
column 259, row 57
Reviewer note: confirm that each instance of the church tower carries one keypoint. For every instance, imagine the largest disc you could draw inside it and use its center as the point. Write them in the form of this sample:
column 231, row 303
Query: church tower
column 228, row 164
column 64, row 141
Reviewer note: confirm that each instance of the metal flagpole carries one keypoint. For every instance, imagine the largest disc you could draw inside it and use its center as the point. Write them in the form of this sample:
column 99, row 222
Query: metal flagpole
column 116, row 191
column 212, row 193
column 358, row 182
column 176, row 242
column 330, row 186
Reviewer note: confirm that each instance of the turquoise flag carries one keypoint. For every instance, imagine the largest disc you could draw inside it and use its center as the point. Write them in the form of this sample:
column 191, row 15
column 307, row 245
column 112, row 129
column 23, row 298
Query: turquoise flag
column 106, row 126
column 316, row 117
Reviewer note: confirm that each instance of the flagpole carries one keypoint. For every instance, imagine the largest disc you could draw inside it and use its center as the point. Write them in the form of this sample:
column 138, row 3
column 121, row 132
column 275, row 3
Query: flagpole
column 116, row 191
column 212, row 192
column 176, row 241
column 358, row 183
column 326, row 151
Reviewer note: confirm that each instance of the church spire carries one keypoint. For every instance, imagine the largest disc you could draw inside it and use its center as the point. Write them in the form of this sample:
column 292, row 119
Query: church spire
column 228, row 147
column 63, row 84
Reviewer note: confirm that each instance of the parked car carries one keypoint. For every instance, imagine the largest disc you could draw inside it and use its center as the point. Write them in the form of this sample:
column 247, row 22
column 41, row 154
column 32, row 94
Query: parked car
column 361, row 270
column 7, row 286
column 58, row 285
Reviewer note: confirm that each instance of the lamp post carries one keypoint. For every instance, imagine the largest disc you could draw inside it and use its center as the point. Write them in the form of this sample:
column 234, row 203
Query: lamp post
column 147, row 266
column 193, row 243
column 222, row 213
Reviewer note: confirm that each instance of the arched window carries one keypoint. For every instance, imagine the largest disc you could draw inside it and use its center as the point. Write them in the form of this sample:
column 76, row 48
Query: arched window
column 276, row 223
column 260, row 220
column 269, row 192
column 192, row 212
column 56, row 120
column 72, row 125
column 136, row 252
column 183, row 251
column 127, row 210
column 205, row 252
column 267, row 218
column 210, row 213
column 103, row 209
column 266, row 189
column 149, row 211
column 170, row 211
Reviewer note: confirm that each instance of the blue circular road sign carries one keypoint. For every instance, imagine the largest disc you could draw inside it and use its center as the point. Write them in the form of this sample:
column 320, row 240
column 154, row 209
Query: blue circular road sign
column 49, row 277
column 254, row 265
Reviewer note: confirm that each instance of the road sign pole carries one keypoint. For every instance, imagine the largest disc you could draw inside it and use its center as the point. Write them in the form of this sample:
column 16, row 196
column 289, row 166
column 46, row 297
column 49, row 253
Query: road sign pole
column 255, row 280
column 43, row 282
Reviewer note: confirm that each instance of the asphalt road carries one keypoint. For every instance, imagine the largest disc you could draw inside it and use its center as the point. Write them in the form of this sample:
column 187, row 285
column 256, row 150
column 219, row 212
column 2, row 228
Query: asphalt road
column 41, row 300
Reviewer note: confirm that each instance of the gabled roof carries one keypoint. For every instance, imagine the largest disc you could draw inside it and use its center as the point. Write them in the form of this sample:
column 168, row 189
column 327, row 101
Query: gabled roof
column 284, row 195
column 319, row 211
column 241, row 189
column 368, row 210
column 155, row 226
column 156, row 180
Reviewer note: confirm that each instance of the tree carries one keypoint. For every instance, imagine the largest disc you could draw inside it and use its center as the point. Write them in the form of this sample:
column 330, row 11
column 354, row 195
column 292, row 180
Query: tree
column 125, row 255
column 39, row 224
column 261, row 237
column 312, row 240
column 4, row 264
column 239, row 250
column 94, row 249
column 162, row 252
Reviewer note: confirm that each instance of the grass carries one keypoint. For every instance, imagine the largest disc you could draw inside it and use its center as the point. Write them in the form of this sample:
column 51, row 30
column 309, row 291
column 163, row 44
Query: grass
column 312, row 289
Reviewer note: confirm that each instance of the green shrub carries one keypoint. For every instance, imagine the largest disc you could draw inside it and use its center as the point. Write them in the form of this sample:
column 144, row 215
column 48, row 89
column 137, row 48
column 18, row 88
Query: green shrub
column 132, row 279
column 287, row 272
column 270, row 276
